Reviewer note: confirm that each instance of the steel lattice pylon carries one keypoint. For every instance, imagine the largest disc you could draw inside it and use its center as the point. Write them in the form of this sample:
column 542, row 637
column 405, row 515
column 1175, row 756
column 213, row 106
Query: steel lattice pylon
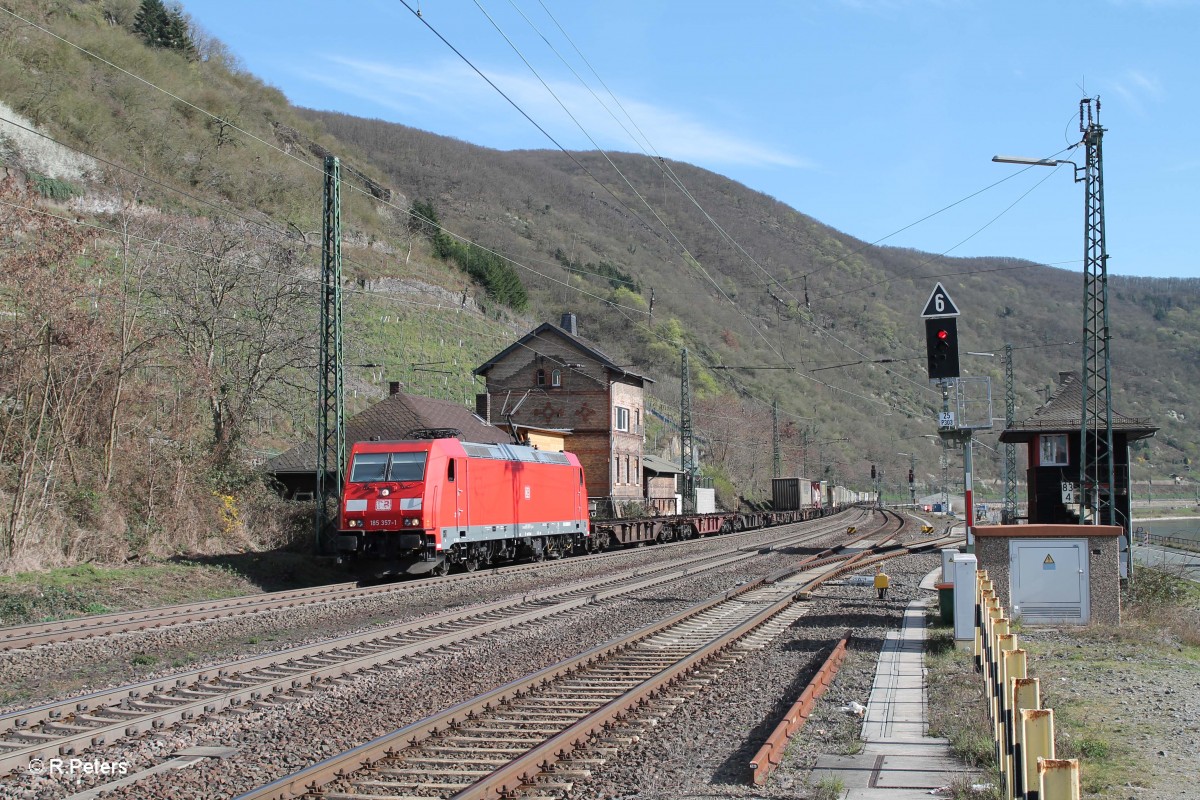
column 1095, row 439
column 1009, row 512
column 331, row 437
column 777, row 455
column 687, row 441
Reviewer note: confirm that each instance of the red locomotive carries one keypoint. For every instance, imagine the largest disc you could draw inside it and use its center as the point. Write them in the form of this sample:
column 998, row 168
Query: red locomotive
column 422, row 506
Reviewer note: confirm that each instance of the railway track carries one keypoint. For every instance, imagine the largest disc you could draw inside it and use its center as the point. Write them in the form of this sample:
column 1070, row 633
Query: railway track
column 533, row 737
column 97, row 625
column 71, row 726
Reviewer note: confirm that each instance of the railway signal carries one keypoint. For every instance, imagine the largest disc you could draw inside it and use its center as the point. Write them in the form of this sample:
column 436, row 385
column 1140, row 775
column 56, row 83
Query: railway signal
column 941, row 348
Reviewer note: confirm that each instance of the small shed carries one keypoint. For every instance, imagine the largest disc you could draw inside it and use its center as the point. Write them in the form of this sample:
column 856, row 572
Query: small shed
column 1054, row 574
column 398, row 416
column 661, row 477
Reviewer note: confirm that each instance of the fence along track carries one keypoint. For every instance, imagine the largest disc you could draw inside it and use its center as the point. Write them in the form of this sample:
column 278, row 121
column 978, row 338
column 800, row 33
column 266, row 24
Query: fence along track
column 537, row 733
column 68, row 726
column 93, row 625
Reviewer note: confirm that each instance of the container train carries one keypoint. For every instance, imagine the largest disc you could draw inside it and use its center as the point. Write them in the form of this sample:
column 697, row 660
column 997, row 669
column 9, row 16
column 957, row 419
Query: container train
column 423, row 506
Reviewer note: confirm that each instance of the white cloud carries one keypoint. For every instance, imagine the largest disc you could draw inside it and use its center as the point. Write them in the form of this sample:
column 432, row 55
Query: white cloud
column 1137, row 89
column 453, row 93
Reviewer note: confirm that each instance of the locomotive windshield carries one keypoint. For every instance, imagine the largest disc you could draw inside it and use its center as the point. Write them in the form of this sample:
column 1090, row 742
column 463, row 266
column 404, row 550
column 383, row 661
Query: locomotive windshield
column 373, row 467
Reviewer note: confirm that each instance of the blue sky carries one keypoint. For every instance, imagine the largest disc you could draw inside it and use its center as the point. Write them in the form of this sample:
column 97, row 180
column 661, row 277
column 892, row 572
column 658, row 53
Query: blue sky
column 868, row 115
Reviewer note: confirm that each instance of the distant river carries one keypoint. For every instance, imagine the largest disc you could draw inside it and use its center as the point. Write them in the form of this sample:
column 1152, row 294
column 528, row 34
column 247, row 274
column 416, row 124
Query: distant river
column 1178, row 528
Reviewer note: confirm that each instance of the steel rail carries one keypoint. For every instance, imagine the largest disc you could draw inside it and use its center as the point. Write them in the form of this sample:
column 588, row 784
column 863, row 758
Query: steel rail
column 522, row 772
column 385, row 746
column 76, row 628
column 207, row 690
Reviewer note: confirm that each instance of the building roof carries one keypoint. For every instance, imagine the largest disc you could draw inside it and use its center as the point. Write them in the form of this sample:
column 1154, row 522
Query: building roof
column 582, row 345
column 660, row 466
column 396, row 417
column 1063, row 413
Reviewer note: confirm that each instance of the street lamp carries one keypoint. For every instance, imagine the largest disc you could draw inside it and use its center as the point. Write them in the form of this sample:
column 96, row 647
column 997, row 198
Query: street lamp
column 1037, row 162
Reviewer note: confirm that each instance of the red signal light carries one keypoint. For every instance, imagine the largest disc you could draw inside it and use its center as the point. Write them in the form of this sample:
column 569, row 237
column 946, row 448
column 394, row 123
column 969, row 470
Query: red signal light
column 943, row 335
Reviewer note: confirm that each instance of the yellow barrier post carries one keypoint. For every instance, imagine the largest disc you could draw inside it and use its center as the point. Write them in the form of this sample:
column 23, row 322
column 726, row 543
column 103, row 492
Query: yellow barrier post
column 1005, row 644
column 1027, row 696
column 994, row 615
column 1015, row 665
column 1058, row 778
column 1037, row 742
column 999, row 631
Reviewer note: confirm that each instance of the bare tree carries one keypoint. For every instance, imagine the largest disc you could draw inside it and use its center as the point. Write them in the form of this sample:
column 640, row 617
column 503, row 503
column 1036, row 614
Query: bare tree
column 240, row 316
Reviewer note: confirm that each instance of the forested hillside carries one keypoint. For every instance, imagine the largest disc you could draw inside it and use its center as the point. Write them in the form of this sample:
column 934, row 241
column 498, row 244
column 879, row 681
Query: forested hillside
column 159, row 253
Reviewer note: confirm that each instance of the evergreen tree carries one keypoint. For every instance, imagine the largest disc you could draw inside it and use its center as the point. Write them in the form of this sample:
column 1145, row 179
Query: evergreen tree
column 151, row 22
column 160, row 26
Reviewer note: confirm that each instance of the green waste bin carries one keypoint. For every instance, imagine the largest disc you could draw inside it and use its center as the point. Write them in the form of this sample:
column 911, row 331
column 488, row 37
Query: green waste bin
column 945, row 602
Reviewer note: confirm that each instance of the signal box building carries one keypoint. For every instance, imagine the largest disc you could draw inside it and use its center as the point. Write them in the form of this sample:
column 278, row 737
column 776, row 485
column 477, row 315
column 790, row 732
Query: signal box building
column 551, row 378
column 1052, row 436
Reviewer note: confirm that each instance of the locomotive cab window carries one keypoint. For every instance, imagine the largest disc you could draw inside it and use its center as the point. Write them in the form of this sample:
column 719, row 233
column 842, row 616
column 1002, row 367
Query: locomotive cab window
column 450, row 471
column 407, row 467
column 368, row 467
column 374, row 467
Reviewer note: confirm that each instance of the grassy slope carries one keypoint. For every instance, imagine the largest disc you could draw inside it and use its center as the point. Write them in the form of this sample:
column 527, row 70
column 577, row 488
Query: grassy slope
column 86, row 589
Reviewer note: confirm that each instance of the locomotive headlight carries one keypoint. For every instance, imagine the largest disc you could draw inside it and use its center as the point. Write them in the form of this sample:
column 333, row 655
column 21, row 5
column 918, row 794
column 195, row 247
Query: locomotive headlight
column 384, row 492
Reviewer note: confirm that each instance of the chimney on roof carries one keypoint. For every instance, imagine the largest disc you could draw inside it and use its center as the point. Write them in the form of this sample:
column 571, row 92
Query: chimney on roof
column 393, row 388
column 1063, row 375
column 570, row 324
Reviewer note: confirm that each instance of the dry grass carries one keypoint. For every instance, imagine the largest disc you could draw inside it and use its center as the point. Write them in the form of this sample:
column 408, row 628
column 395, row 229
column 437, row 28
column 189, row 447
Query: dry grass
column 960, row 711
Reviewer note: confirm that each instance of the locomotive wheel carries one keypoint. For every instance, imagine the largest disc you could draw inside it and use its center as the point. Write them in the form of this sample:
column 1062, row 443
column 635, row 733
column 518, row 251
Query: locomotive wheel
column 472, row 558
column 442, row 569
column 539, row 550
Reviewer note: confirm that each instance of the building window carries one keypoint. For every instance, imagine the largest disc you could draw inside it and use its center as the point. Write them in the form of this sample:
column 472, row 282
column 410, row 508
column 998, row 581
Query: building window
column 637, row 471
column 541, row 377
column 1054, row 450
column 556, row 378
column 616, row 470
column 621, row 418
column 637, row 420
column 628, row 473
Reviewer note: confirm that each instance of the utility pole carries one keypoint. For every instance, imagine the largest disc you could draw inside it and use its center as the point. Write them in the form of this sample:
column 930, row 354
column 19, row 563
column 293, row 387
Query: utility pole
column 687, row 442
column 945, row 477
column 1008, row 514
column 1095, row 434
column 777, row 459
column 912, row 474
column 331, row 434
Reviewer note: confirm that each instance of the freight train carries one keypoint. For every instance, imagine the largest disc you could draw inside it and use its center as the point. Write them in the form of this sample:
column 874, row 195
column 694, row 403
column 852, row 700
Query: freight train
column 422, row 506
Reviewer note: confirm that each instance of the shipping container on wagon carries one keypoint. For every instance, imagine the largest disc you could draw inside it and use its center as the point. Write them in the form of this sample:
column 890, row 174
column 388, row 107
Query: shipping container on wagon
column 785, row 494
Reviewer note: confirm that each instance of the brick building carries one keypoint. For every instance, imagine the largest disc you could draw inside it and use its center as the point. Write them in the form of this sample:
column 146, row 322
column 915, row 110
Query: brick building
column 552, row 378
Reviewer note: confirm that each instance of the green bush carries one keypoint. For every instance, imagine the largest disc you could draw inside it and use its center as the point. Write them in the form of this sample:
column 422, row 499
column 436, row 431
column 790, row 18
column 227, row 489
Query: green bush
column 52, row 188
